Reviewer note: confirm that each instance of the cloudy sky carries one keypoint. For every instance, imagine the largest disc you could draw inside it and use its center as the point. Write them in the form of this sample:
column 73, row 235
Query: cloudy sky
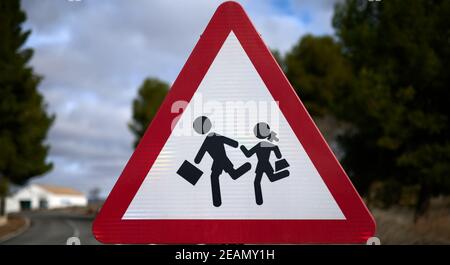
column 95, row 54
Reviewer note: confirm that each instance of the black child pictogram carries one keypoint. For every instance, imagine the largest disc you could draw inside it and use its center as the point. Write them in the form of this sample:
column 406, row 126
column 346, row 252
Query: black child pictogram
column 263, row 150
column 214, row 145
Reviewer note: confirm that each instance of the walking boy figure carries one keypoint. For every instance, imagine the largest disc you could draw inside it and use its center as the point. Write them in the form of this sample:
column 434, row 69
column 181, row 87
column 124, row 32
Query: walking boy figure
column 214, row 145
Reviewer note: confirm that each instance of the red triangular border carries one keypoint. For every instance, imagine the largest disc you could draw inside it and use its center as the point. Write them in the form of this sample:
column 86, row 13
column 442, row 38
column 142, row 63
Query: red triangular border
column 110, row 228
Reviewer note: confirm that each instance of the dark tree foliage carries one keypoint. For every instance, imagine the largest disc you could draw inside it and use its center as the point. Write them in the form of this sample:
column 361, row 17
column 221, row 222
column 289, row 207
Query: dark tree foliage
column 386, row 76
column 24, row 121
column 400, row 54
column 319, row 72
column 150, row 96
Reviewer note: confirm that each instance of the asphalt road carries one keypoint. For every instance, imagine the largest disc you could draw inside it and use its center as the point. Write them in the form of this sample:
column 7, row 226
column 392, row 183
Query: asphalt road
column 54, row 228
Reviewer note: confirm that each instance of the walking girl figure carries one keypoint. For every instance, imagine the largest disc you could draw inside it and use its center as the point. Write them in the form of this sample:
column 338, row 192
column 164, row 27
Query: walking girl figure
column 263, row 151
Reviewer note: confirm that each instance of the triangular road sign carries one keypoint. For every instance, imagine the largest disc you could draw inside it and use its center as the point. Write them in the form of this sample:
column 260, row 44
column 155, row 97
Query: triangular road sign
column 279, row 181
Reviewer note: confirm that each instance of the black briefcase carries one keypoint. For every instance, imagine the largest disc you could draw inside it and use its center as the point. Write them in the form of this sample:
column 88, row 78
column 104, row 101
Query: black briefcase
column 281, row 164
column 189, row 172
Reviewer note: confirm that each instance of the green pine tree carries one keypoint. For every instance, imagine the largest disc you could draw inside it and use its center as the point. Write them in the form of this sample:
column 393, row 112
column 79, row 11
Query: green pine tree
column 24, row 121
column 398, row 102
column 385, row 76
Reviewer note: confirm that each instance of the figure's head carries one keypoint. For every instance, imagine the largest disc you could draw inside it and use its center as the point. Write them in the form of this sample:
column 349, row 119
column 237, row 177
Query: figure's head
column 202, row 125
column 262, row 130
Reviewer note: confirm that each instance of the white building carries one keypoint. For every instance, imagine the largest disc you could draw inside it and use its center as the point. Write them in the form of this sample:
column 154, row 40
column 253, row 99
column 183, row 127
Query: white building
column 37, row 196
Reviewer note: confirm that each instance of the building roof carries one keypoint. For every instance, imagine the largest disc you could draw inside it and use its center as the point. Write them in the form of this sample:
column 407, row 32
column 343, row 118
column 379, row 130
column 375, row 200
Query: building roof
column 60, row 190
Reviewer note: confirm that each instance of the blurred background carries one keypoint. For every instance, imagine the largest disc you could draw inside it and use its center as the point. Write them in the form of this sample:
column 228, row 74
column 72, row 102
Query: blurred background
column 80, row 80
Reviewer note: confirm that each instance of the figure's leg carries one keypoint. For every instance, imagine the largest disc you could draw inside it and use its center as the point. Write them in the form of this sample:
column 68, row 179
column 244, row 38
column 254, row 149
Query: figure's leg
column 258, row 192
column 277, row 176
column 236, row 173
column 215, row 188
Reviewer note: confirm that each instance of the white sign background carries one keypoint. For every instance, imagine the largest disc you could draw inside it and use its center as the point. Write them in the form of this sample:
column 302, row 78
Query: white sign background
column 165, row 195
